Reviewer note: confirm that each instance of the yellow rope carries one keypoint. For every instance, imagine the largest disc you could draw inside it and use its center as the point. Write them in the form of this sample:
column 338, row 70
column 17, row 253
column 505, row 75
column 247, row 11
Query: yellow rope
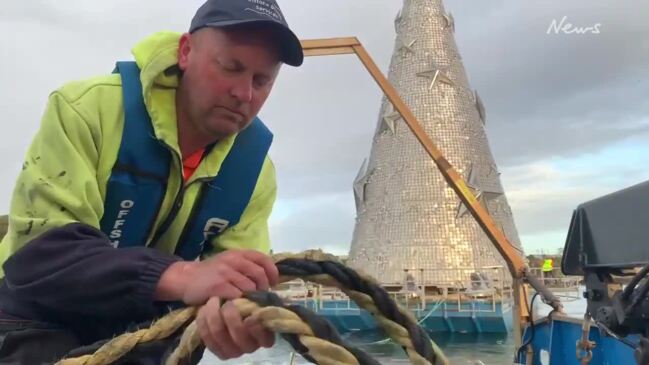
column 114, row 349
column 276, row 319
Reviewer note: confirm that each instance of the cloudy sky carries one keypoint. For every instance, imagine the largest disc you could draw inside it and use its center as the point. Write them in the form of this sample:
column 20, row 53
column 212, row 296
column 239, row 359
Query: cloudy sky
column 568, row 114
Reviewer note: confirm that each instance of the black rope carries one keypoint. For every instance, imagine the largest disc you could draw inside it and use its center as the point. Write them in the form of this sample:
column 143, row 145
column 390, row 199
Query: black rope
column 640, row 296
column 608, row 331
column 350, row 279
column 320, row 326
column 626, row 294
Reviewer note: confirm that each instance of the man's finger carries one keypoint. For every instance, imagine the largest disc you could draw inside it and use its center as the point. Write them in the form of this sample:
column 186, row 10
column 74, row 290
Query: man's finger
column 241, row 281
column 254, row 271
column 237, row 331
column 218, row 333
column 204, row 331
column 263, row 336
column 265, row 262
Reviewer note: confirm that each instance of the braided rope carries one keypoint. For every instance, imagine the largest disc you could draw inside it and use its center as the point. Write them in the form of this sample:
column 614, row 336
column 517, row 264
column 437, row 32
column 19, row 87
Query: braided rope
column 114, row 349
column 311, row 336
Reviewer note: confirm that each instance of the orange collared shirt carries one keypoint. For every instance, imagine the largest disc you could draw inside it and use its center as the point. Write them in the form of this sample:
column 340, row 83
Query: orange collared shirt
column 191, row 163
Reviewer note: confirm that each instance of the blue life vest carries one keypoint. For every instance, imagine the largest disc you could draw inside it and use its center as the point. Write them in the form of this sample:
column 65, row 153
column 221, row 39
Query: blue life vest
column 138, row 181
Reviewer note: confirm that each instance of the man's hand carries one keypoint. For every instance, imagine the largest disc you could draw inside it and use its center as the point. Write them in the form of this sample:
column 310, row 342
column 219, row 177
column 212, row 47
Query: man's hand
column 228, row 336
column 226, row 275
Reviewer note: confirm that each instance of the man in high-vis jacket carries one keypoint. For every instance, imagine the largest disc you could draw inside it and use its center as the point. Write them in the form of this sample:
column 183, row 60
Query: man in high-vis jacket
column 147, row 189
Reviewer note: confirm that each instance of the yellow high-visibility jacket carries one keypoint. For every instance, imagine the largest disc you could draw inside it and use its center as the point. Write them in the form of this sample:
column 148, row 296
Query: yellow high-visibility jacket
column 67, row 166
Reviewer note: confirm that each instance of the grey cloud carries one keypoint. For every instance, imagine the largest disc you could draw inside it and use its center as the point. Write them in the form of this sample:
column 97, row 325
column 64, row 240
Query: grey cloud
column 544, row 202
column 546, row 95
column 538, row 87
column 322, row 222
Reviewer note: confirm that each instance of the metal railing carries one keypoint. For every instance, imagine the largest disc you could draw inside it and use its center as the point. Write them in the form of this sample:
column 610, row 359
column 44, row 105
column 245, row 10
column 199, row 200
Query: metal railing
column 465, row 287
column 485, row 285
column 555, row 280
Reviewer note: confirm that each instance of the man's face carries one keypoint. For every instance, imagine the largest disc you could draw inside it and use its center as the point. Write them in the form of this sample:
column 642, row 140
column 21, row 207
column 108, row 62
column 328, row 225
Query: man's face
column 227, row 76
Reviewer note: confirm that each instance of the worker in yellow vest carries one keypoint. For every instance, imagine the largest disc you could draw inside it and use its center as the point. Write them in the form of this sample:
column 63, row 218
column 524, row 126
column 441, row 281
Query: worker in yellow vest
column 548, row 266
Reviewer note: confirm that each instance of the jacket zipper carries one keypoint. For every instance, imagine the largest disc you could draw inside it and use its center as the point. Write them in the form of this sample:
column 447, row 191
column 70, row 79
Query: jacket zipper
column 177, row 203
column 197, row 203
column 195, row 209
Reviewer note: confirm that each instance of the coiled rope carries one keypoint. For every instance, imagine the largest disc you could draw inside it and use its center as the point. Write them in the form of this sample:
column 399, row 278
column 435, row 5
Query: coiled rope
column 311, row 336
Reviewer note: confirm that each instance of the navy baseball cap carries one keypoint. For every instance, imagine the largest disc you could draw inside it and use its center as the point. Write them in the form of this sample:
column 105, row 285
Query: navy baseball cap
column 223, row 13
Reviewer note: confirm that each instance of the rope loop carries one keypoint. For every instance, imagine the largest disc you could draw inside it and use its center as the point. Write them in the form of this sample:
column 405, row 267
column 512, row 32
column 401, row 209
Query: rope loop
column 310, row 335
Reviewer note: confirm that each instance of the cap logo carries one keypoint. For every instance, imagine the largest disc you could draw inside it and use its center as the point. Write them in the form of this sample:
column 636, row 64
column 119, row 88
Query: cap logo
column 265, row 8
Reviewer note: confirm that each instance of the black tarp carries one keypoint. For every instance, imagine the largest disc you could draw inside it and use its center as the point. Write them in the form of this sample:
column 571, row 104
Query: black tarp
column 611, row 231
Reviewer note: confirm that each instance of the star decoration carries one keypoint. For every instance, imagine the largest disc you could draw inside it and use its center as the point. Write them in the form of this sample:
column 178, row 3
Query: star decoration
column 493, row 169
column 512, row 243
column 435, row 76
column 389, row 118
column 359, row 185
column 406, row 46
column 481, row 110
column 450, row 22
column 397, row 21
column 482, row 195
